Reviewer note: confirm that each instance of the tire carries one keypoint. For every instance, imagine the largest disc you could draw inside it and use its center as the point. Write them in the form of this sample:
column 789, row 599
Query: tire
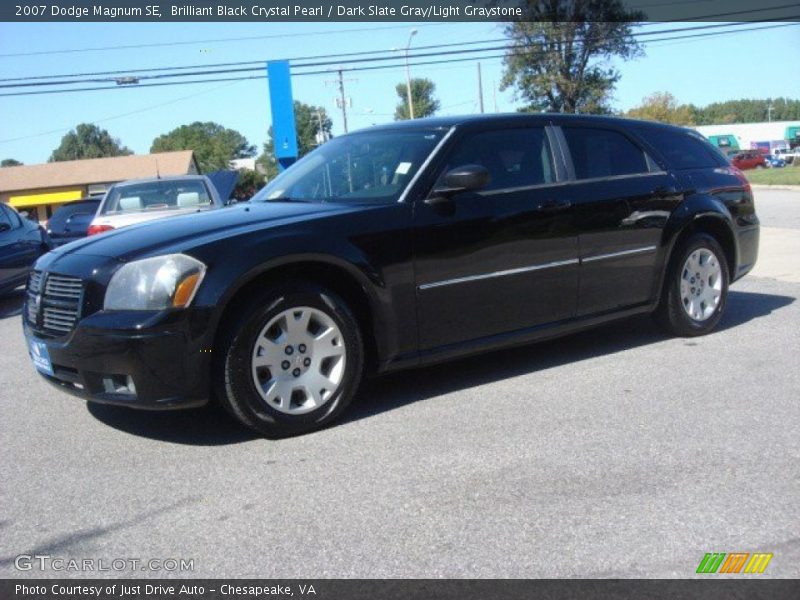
column 301, row 325
column 687, row 306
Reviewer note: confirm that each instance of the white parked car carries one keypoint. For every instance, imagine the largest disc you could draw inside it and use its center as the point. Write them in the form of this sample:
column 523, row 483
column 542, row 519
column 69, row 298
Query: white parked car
column 787, row 154
column 140, row 200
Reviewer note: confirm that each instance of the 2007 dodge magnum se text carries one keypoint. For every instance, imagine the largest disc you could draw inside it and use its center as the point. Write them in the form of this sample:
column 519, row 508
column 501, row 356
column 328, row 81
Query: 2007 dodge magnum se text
column 393, row 247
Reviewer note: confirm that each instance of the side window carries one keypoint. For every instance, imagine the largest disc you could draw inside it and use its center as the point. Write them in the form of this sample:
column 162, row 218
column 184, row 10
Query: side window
column 683, row 150
column 513, row 157
column 7, row 216
column 603, row 153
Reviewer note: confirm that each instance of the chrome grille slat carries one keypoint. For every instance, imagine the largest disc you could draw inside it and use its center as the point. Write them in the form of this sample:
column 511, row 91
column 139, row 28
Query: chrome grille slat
column 54, row 302
column 60, row 311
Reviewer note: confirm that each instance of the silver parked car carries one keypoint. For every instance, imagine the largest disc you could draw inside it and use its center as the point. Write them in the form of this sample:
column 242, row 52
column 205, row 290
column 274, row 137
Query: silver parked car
column 140, row 200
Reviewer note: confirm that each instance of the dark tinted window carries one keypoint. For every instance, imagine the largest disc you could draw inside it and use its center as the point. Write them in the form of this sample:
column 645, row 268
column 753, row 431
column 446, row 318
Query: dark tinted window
column 683, row 150
column 513, row 157
column 603, row 153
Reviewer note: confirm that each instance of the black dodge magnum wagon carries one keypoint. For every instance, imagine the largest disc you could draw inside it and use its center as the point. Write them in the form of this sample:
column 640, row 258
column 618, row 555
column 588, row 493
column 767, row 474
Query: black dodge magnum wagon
column 393, row 247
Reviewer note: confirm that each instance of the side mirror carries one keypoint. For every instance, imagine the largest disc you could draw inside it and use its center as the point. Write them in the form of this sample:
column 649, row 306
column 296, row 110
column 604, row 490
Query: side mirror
column 231, row 202
column 466, row 178
column 461, row 179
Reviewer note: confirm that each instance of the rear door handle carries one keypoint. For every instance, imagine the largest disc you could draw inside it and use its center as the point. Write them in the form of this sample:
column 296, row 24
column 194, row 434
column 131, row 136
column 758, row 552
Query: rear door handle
column 555, row 205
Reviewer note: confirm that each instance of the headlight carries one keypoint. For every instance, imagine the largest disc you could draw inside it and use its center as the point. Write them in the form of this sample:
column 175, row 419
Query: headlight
column 155, row 283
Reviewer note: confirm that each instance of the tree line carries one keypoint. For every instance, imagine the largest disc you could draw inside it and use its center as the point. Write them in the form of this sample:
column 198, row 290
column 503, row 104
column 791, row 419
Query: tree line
column 664, row 107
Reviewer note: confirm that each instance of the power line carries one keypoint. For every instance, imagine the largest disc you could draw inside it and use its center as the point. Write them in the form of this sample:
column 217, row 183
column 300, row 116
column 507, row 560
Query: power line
column 368, row 67
column 212, row 41
column 122, row 115
column 322, row 56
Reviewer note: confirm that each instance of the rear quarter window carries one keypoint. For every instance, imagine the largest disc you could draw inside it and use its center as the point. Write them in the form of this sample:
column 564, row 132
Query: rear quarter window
column 682, row 150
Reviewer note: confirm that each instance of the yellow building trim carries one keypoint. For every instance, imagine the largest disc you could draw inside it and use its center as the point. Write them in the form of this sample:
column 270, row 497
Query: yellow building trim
column 24, row 200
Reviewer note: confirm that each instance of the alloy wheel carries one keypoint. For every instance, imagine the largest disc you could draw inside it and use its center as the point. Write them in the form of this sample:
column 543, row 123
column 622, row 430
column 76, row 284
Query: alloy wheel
column 701, row 284
column 298, row 360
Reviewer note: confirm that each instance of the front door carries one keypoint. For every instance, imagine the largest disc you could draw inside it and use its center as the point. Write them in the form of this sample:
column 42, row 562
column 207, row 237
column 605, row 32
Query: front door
column 502, row 258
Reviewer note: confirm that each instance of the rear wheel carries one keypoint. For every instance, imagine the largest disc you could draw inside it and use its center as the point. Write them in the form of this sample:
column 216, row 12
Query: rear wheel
column 291, row 362
column 696, row 288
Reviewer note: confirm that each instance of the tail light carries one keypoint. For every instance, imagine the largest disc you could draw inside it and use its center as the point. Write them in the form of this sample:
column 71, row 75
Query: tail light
column 736, row 172
column 95, row 229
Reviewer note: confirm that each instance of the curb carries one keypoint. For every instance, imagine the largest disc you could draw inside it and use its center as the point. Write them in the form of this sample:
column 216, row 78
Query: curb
column 777, row 186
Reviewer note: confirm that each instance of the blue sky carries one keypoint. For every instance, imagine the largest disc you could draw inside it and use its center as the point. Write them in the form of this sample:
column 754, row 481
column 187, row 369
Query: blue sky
column 744, row 65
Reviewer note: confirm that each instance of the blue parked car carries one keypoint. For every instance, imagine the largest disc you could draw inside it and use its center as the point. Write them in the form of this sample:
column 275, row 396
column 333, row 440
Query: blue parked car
column 71, row 221
column 774, row 162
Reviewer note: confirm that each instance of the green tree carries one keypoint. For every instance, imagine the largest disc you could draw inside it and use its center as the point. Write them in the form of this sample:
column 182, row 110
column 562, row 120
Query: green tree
column 422, row 94
column 663, row 107
column 749, row 111
column 249, row 183
column 559, row 58
column 214, row 146
column 313, row 127
column 10, row 162
column 88, row 141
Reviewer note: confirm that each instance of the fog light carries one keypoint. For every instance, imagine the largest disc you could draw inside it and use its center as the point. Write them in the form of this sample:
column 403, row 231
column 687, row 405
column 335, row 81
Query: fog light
column 119, row 384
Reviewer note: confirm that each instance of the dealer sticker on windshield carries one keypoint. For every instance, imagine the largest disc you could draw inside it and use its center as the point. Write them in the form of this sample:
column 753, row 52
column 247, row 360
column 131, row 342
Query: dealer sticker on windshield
column 40, row 356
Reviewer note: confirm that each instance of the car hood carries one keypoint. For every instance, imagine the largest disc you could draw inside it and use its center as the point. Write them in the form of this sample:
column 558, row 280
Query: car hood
column 182, row 233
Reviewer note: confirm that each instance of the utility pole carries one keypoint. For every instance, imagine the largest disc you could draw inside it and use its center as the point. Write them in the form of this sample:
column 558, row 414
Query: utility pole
column 494, row 95
column 343, row 100
column 480, row 89
column 770, row 108
column 408, row 76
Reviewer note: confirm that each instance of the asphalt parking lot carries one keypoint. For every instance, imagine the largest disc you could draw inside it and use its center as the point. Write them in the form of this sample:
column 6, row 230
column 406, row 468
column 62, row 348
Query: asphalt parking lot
column 613, row 453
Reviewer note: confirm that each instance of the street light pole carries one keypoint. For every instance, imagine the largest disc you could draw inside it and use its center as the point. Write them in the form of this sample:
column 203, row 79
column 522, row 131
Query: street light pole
column 408, row 76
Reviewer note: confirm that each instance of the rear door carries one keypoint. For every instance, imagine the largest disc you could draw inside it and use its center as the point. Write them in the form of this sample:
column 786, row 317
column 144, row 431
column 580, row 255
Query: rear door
column 623, row 200
column 503, row 258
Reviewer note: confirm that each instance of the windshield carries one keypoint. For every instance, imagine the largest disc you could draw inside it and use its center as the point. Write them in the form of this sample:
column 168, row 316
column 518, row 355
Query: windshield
column 162, row 194
column 370, row 166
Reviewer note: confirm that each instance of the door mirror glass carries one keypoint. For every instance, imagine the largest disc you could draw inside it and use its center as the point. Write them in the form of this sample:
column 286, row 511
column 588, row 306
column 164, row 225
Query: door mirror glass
column 466, row 178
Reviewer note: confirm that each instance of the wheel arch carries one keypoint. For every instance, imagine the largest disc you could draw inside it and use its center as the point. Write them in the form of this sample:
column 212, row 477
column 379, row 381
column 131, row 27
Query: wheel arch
column 339, row 276
column 706, row 216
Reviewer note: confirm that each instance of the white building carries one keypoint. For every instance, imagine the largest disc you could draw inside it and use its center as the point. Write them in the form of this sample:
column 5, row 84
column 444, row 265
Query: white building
column 744, row 136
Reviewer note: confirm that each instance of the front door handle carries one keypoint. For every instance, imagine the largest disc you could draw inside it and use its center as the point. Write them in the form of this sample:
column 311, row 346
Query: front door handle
column 555, row 205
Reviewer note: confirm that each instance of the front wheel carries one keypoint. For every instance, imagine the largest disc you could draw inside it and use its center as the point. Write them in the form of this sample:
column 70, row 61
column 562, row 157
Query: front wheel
column 291, row 362
column 696, row 288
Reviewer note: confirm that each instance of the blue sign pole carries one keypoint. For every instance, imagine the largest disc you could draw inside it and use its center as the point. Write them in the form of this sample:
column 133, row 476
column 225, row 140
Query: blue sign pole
column 284, row 132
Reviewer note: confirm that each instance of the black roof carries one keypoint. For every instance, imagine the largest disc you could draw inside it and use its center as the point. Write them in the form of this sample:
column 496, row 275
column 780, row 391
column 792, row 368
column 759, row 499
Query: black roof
column 460, row 120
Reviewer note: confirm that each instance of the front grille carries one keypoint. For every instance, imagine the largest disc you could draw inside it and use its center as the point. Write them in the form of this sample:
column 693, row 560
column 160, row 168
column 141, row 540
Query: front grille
column 54, row 302
column 61, row 286
column 59, row 319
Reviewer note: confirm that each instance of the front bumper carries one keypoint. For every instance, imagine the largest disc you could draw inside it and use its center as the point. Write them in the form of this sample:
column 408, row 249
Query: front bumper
column 135, row 359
